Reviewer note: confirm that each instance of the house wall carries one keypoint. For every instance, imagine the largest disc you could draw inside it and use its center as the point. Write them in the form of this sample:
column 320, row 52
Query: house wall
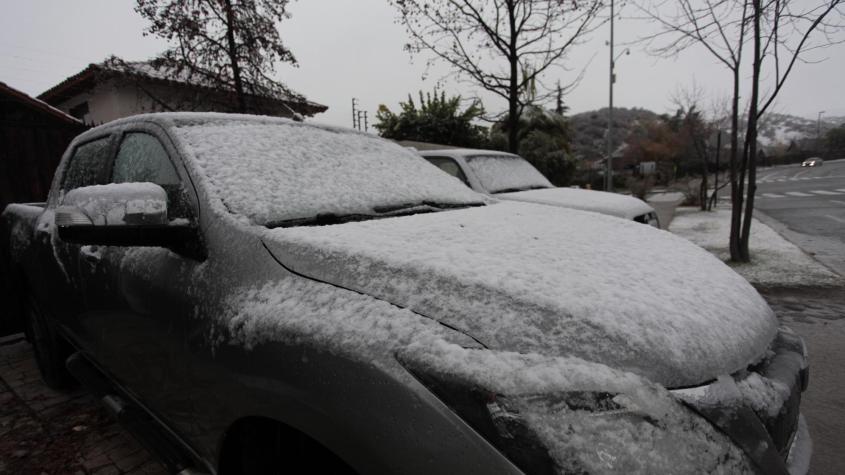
column 114, row 98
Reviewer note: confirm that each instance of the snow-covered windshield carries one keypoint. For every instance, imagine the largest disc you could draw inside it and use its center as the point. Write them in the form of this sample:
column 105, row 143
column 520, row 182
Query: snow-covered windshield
column 501, row 173
column 274, row 172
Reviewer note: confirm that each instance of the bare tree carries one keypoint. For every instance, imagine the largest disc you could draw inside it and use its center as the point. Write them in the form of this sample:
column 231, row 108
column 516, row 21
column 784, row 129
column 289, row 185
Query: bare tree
column 229, row 45
column 503, row 46
column 697, row 130
column 781, row 33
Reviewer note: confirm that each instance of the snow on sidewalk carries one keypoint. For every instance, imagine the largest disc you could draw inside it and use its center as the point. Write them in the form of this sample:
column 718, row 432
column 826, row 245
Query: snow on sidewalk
column 774, row 260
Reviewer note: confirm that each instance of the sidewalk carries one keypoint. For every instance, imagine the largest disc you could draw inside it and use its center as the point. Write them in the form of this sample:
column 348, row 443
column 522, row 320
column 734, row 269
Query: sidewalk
column 44, row 431
column 774, row 260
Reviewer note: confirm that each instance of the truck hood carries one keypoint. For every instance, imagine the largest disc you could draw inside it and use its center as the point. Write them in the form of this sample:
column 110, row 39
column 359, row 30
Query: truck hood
column 552, row 281
column 614, row 204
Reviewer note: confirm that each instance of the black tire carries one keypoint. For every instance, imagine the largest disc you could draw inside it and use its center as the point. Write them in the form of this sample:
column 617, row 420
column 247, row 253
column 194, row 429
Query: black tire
column 51, row 351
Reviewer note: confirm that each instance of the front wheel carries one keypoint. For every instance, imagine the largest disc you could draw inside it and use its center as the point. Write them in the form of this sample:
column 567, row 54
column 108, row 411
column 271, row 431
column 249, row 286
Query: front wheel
column 51, row 351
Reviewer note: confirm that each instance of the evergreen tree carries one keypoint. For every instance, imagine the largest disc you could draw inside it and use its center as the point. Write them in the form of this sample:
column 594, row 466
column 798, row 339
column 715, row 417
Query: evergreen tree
column 437, row 119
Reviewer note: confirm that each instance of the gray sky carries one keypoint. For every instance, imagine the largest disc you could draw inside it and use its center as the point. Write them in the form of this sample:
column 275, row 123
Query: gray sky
column 352, row 48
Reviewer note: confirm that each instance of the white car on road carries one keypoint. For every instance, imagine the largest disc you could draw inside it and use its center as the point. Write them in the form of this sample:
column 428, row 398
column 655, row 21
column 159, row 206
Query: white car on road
column 510, row 177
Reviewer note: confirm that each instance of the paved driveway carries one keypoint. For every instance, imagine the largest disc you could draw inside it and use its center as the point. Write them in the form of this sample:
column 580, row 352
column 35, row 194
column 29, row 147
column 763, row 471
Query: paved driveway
column 44, row 431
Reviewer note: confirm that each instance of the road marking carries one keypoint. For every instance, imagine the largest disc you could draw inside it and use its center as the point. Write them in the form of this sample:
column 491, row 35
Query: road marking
column 841, row 189
column 772, row 195
column 797, row 193
column 835, row 218
column 838, row 202
column 825, row 192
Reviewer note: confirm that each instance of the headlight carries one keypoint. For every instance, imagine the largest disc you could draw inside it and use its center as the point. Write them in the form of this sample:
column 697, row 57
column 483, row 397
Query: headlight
column 644, row 430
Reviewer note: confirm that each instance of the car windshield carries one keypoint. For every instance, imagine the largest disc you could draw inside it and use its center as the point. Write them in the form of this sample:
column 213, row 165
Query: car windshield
column 281, row 173
column 506, row 173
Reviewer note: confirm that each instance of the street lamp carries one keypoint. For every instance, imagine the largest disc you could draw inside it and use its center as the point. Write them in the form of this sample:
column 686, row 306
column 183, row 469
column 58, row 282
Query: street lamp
column 608, row 185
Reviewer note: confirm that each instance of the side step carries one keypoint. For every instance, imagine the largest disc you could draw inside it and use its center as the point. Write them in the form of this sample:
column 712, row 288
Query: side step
column 156, row 439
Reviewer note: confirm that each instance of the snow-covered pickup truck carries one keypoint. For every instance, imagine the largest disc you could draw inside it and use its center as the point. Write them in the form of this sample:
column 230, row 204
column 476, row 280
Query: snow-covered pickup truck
column 510, row 177
column 253, row 295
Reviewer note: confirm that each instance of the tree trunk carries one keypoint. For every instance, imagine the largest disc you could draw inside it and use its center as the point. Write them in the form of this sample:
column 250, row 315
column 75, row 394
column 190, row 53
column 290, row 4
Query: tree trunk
column 736, row 195
column 513, row 91
column 233, row 57
column 702, row 194
column 751, row 139
column 715, row 195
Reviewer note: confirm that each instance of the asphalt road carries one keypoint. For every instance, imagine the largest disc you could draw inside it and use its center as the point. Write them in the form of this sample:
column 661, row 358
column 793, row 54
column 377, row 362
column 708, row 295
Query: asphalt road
column 808, row 204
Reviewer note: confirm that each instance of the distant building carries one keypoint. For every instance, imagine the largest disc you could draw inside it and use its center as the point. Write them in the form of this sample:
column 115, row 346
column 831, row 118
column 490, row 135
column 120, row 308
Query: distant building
column 116, row 88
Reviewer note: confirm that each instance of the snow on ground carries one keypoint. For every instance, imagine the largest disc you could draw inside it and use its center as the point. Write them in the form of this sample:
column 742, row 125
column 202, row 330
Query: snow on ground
column 775, row 261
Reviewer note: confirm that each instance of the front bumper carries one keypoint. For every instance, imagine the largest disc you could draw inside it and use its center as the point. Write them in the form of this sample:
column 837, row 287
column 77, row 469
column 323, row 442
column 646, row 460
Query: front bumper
column 759, row 408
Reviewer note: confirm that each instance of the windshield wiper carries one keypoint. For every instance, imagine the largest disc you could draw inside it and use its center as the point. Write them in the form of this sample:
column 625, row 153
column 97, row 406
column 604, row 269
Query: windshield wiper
column 321, row 219
column 521, row 188
column 324, row 219
column 422, row 207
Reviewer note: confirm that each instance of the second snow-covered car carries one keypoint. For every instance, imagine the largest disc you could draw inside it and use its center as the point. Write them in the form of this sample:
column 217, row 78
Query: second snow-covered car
column 510, row 177
column 255, row 295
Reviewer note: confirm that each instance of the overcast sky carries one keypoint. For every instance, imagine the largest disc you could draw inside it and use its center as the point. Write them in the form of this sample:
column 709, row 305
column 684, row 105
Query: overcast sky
column 352, row 48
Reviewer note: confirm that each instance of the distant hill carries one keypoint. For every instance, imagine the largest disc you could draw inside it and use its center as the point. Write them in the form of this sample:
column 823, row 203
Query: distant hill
column 589, row 128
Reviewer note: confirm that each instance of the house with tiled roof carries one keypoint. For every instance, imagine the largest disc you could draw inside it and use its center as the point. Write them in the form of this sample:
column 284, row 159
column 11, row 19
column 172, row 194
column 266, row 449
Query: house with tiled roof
column 115, row 88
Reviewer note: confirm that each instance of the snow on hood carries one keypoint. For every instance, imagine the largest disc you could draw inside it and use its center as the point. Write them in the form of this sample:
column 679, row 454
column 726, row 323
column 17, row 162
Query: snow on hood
column 614, row 204
column 552, row 281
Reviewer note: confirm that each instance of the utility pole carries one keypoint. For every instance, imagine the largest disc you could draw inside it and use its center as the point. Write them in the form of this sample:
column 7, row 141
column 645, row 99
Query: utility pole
column 608, row 176
column 366, row 124
column 354, row 113
column 819, row 127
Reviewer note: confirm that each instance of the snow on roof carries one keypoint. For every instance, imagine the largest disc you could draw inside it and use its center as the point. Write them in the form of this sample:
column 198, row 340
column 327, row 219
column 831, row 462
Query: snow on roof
column 553, row 281
column 268, row 170
column 614, row 204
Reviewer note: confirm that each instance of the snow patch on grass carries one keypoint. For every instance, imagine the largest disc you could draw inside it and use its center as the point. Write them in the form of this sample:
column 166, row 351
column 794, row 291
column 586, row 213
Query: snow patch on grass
column 774, row 260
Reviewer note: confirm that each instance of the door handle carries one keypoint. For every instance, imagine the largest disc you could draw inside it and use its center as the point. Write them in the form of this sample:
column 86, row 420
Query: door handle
column 91, row 254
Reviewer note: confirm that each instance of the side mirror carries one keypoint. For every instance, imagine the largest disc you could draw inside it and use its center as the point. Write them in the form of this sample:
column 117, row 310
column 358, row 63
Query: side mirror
column 120, row 214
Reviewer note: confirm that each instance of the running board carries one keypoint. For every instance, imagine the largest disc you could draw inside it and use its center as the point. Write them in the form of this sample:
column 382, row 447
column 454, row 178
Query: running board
column 160, row 442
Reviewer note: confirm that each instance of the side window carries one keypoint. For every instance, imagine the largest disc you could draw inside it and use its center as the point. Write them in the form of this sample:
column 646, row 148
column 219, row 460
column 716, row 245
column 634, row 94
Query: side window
column 142, row 158
column 449, row 166
column 89, row 165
